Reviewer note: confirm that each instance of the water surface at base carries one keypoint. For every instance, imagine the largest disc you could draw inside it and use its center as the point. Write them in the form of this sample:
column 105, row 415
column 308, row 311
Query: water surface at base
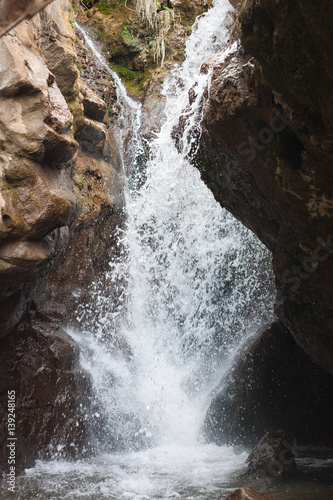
column 193, row 472
column 205, row 472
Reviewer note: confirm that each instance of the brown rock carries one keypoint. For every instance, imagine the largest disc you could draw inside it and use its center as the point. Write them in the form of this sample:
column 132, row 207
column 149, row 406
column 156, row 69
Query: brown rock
column 267, row 154
column 99, row 191
column 57, row 39
column 14, row 11
column 37, row 148
column 40, row 363
column 94, row 107
column 247, row 494
column 48, row 219
column 92, row 136
column 272, row 457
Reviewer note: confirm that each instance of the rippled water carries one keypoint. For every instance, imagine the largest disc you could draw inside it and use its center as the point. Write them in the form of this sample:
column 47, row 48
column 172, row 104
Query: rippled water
column 206, row 472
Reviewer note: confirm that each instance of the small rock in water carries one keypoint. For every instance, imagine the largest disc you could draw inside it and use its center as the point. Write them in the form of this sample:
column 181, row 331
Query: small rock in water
column 272, row 457
column 247, row 494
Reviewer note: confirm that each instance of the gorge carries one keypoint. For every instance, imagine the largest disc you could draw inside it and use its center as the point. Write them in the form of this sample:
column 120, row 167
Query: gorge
column 148, row 338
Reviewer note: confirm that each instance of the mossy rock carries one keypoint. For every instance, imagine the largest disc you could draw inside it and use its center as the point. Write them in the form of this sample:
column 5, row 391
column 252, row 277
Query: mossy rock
column 133, row 80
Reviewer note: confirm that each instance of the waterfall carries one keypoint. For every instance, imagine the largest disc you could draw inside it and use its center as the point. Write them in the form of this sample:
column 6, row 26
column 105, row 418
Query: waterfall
column 197, row 283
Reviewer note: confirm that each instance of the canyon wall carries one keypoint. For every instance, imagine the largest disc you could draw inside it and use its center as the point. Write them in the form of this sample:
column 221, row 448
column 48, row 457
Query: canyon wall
column 61, row 201
column 266, row 152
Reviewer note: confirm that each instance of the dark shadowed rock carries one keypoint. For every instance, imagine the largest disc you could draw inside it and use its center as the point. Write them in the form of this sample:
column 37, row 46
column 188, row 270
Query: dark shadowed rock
column 272, row 385
column 92, row 136
column 267, row 151
column 272, row 457
column 39, row 361
column 247, row 494
column 37, row 149
column 59, row 212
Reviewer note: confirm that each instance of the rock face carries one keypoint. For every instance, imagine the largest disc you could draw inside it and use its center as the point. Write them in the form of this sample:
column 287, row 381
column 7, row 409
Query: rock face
column 39, row 362
column 37, row 201
column 247, row 494
column 272, row 457
column 272, row 385
column 266, row 153
column 60, row 206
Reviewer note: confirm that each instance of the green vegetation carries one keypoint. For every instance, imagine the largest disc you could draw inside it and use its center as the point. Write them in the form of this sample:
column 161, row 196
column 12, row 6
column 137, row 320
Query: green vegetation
column 75, row 7
column 129, row 39
column 133, row 80
column 76, row 109
column 104, row 7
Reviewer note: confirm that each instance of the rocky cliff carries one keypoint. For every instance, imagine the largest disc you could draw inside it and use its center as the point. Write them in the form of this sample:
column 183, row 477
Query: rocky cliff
column 61, row 200
column 267, row 148
column 266, row 153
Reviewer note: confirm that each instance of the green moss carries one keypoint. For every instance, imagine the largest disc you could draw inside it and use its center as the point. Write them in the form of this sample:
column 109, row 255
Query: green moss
column 75, row 7
column 101, row 34
column 104, row 7
column 133, row 80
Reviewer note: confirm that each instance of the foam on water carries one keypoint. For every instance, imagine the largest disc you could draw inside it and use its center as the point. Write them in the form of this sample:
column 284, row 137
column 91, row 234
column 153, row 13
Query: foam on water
column 164, row 472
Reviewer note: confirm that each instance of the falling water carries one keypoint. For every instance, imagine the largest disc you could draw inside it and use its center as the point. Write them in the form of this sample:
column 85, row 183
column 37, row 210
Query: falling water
column 197, row 283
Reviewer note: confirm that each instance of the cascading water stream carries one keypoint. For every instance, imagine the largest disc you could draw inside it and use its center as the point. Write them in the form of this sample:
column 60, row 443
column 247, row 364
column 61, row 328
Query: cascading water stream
column 197, row 284
column 192, row 271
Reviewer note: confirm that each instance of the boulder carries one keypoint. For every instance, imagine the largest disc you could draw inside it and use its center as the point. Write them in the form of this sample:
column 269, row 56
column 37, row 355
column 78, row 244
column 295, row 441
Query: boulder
column 94, row 107
column 247, row 494
column 271, row 385
column 272, row 457
column 57, row 203
column 40, row 363
column 92, row 136
column 37, row 150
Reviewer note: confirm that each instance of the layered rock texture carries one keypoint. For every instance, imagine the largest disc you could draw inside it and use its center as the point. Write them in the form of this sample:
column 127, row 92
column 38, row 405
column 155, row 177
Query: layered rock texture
column 266, row 153
column 60, row 205
column 14, row 11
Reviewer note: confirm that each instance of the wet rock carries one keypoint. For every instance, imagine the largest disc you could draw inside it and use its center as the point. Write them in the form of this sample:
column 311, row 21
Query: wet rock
column 271, row 385
column 94, row 107
column 89, row 70
column 247, row 494
column 92, row 136
column 273, row 457
column 266, row 153
column 59, row 212
column 131, row 37
column 37, row 150
column 40, row 363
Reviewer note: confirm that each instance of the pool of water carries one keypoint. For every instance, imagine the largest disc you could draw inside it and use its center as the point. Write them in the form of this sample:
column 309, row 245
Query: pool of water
column 203, row 472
